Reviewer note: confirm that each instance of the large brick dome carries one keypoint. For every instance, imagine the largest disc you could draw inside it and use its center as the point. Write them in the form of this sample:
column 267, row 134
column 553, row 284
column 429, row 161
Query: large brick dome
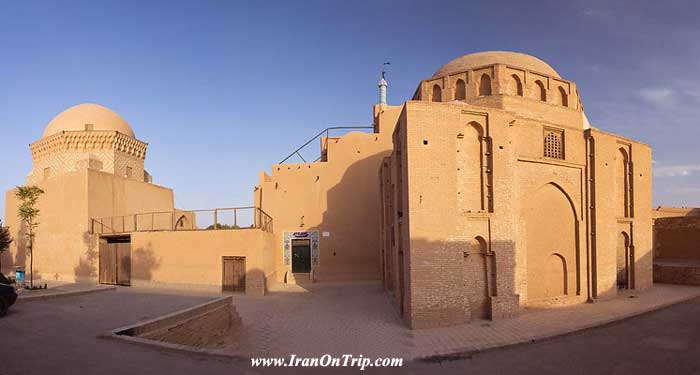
column 77, row 117
column 479, row 59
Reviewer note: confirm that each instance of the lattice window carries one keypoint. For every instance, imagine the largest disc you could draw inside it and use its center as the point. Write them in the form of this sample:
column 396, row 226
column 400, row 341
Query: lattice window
column 554, row 143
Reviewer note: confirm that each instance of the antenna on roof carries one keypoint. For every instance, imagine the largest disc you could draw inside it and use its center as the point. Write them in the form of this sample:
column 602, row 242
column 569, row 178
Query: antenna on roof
column 382, row 84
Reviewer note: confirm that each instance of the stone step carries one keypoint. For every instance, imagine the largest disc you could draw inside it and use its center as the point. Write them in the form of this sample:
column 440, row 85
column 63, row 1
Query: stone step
column 299, row 278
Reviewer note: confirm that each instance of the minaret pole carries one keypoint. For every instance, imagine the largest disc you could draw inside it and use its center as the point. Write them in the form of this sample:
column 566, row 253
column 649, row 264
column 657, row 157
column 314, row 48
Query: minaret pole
column 383, row 84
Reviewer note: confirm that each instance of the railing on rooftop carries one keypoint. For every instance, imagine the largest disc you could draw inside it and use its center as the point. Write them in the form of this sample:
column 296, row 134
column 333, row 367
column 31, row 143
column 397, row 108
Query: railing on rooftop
column 325, row 135
column 214, row 219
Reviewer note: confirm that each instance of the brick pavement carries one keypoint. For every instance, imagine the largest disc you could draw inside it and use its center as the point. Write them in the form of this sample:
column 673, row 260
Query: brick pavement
column 339, row 318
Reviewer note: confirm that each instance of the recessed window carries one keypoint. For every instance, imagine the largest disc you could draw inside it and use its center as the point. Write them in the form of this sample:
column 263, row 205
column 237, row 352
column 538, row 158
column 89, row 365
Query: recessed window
column 485, row 85
column 89, row 127
column 47, row 172
column 541, row 91
column 460, row 90
column 554, row 143
column 437, row 93
column 129, row 172
column 563, row 97
column 518, row 85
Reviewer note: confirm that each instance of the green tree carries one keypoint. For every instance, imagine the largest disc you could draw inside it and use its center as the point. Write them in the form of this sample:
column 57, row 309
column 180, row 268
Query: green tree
column 28, row 213
column 5, row 241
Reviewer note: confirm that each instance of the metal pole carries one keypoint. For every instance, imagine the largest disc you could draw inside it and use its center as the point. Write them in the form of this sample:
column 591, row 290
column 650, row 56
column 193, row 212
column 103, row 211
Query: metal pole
column 216, row 219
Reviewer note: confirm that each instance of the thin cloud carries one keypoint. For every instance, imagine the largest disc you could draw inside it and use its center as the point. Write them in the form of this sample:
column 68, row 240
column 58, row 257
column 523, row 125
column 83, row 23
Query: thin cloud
column 657, row 95
column 684, row 190
column 676, row 170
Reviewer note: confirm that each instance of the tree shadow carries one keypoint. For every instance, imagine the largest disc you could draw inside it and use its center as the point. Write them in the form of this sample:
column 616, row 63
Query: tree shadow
column 86, row 269
column 143, row 263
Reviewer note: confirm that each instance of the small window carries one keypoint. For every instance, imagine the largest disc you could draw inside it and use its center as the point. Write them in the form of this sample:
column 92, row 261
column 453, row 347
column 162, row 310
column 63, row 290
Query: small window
column 518, row 85
column 460, row 90
column 542, row 91
column 563, row 97
column 437, row 93
column 47, row 172
column 485, row 85
column 89, row 127
column 129, row 172
column 554, row 143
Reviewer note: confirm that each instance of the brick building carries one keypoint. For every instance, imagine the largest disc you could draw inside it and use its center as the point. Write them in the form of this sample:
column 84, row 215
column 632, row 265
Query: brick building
column 499, row 194
column 495, row 192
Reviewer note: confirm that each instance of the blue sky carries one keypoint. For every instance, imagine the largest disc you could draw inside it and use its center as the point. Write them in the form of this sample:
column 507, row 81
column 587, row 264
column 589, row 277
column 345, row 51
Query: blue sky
column 221, row 90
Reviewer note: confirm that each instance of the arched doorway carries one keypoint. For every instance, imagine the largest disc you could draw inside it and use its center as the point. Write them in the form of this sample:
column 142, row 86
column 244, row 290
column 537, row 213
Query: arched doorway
column 476, row 280
column 551, row 244
column 623, row 261
column 555, row 275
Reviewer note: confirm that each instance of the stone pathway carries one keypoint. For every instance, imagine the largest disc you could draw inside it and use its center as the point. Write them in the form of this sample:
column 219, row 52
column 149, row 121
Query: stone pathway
column 357, row 318
column 61, row 290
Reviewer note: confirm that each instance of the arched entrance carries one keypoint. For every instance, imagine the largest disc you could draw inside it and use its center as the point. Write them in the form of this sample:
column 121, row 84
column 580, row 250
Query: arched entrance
column 555, row 275
column 623, row 261
column 551, row 243
column 476, row 280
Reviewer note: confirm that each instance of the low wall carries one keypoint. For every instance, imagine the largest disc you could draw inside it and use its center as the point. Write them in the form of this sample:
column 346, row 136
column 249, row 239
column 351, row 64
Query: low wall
column 193, row 259
column 678, row 272
column 677, row 238
column 200, row 326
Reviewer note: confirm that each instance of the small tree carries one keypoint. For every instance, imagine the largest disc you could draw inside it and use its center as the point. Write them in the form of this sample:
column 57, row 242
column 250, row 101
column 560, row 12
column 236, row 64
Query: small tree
column 28, row 213
column 5, row 241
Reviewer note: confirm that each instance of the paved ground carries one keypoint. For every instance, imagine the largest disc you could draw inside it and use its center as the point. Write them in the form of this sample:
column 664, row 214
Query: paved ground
column 663, row 342
column 59, row 337
column 61, row 289
column 358, row 318
column 333, row 318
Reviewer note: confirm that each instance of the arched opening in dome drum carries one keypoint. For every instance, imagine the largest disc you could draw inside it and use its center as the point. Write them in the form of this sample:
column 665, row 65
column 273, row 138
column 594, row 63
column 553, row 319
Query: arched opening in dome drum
column 485, row 85
column 517, row 85
column 460, row 90
column 437, row 94
column 563, row 97
column 542, row 93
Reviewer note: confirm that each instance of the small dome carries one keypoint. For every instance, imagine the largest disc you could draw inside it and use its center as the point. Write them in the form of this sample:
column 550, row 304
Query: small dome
column 76, row 118
column 479, row 59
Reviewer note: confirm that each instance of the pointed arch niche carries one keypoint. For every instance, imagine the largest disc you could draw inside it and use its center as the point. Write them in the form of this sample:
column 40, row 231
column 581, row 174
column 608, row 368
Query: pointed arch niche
column 479, row 278
column 474, row 168
column 551, row 230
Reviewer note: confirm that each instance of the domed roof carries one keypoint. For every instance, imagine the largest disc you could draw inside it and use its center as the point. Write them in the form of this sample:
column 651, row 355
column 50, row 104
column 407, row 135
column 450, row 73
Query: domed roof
column 479, row 59
column 76, row 117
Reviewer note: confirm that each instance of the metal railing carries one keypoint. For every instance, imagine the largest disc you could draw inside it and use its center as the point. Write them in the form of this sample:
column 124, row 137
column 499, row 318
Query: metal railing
column 214, row 219
column 325, row 133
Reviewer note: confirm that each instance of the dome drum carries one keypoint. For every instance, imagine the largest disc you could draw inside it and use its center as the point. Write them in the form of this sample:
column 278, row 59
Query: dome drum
column 473, row 78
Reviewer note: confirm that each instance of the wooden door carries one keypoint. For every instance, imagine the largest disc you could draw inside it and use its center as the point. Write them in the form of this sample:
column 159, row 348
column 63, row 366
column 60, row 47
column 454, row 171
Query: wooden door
column 233, row 279
column 107, row 269
column 115, row 261
column 123, row 263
